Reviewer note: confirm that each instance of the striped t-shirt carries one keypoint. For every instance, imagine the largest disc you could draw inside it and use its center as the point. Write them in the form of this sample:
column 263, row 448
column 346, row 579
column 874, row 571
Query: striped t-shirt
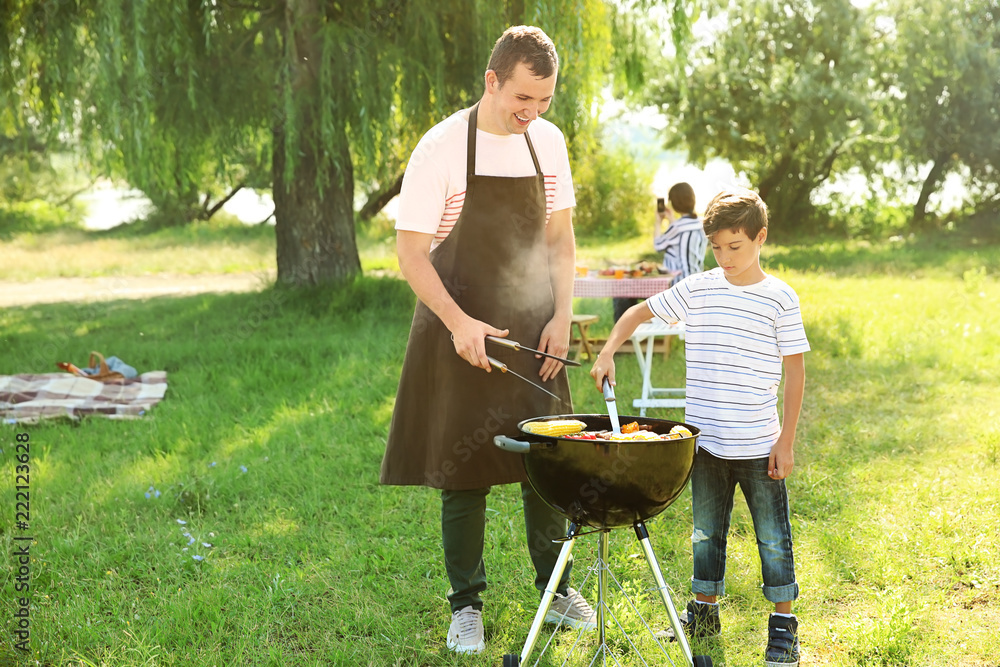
column 683, row 245
column 434, row 184
column 735, row 339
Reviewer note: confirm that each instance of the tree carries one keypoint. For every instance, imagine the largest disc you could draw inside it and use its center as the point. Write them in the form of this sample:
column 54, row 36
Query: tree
column 945, row 78
column 321, row 95
column 782, row 91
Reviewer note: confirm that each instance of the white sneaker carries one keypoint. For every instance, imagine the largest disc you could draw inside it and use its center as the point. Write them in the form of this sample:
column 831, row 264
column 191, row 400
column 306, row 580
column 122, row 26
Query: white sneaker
column 572, row 610
column 466, row 632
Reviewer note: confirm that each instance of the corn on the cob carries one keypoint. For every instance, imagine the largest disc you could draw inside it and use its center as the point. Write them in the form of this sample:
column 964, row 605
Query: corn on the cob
column 682, row 430
column 555, row 427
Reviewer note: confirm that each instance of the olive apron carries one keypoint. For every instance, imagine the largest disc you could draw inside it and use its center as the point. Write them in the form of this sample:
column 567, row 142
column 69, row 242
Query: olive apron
column 494, row 263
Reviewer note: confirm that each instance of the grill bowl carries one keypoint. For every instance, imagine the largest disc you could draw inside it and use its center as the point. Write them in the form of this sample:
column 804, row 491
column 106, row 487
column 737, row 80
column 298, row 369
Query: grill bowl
column 606, row 484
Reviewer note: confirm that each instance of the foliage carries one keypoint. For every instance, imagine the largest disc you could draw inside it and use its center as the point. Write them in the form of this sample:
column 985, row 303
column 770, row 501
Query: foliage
column 871, row 218
column 894, row 497
column 34, row 217
column 641, row 32
column 781, row 91
column 613, row 188
column 307, row 97
column 30, row 170
column 941, row 74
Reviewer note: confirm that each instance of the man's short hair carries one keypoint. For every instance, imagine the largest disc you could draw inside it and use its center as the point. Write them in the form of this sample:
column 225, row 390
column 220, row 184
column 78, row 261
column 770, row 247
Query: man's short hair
column 681, row 198
column 736, row 209
column 523, row 44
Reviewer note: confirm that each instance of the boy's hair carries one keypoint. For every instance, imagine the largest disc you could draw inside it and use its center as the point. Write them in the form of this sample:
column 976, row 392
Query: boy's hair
column 736, row 210
column 523, row 44
column 681, row 198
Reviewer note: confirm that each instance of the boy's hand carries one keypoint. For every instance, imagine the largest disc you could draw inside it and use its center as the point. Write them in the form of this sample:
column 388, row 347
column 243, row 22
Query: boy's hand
column 603, row 367
column 782, row 458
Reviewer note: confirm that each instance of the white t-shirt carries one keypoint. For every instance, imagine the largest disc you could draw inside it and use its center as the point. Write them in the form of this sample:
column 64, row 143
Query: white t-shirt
column 735, row 338
column 434, row 184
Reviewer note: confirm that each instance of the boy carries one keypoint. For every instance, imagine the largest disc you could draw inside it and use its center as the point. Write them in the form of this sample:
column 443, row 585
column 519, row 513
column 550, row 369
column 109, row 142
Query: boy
column 742, row 327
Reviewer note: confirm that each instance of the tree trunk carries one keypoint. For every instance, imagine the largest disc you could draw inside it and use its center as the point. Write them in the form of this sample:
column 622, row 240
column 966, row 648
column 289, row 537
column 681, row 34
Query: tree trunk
column 378, row 200
column 774, row 179
column 207, row 212
column 314, row 206
column 929, row 187
column 314, row 226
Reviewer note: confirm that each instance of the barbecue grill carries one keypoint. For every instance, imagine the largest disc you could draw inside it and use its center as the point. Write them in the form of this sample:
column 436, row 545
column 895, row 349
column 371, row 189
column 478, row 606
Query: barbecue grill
column 602, row 485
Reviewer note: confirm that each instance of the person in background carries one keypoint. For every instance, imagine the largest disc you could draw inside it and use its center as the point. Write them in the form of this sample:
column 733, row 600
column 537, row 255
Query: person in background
column 744, row 329
column 485, row 240
column 683, row 243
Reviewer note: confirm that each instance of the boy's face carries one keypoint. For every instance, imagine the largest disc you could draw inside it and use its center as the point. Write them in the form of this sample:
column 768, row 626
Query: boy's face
column 739, row 255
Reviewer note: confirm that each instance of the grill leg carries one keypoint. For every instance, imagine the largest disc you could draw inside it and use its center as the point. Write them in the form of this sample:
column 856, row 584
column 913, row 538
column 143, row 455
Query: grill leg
column 549, row 594
column 654, row 566
column 602, row 568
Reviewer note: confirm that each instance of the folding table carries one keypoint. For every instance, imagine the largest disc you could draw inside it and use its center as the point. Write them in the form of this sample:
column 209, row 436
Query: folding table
column 643, row 342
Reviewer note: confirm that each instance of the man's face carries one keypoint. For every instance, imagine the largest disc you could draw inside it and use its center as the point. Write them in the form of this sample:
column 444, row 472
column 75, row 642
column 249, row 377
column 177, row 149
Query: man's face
column 521, row 99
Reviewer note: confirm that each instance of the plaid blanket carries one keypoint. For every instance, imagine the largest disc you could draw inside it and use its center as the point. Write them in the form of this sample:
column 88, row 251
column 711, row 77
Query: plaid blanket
column 30, row 398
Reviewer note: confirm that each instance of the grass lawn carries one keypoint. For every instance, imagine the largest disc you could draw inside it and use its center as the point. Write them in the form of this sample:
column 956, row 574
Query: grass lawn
column 263, row 461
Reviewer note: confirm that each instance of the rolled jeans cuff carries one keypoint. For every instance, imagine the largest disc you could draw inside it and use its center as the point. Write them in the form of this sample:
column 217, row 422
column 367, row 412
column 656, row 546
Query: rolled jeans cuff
column 786, row 593
column 701, row 587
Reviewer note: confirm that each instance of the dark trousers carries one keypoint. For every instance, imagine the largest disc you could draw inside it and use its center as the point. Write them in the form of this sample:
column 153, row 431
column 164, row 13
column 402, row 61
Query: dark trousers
column 621, row 305
column 463, row 528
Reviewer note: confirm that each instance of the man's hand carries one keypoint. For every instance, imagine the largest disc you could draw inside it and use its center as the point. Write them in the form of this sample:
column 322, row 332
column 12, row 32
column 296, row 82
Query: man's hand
column 554, row 340
column 470, row 341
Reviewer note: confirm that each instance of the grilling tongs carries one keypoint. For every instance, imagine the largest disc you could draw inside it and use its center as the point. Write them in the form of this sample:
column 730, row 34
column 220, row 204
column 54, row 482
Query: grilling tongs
column 514, row 345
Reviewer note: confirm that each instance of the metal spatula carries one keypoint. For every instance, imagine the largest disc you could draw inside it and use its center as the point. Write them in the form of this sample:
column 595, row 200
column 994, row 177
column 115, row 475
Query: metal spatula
column 609, row 398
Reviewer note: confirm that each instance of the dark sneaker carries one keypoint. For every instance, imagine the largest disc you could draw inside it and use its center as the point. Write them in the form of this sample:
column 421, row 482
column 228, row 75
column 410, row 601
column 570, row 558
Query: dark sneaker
column 572, row 610
column 466, row 632
column 700, row 620
column 782, row 642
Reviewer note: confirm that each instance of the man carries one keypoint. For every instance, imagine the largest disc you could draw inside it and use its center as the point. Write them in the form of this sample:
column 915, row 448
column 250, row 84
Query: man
column 485, row 239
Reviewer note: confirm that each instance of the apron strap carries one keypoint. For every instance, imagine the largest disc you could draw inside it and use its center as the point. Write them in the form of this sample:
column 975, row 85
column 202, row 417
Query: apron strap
column 534, row 158
column 470, row 156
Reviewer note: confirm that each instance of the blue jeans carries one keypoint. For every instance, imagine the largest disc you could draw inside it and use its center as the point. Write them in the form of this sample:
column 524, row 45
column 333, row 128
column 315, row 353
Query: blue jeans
column 713, row 484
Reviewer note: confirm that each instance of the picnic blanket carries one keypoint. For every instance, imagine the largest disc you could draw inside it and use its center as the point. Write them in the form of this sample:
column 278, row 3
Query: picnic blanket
column 30, row 398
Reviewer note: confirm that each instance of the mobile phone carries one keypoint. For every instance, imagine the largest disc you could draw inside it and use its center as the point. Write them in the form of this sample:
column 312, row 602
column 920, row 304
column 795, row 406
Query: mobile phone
column 661, row 206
